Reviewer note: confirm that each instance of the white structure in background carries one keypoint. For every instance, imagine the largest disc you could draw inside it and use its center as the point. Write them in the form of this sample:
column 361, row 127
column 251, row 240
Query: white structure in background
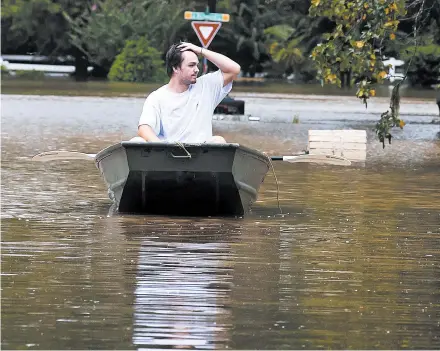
column 61, row 70
column 396, row 71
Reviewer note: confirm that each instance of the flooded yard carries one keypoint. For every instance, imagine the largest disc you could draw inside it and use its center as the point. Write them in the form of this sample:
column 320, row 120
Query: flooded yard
column 350, row 260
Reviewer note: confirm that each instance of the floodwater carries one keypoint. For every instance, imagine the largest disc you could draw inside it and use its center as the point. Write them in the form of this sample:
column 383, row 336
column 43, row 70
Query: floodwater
column 351, row 262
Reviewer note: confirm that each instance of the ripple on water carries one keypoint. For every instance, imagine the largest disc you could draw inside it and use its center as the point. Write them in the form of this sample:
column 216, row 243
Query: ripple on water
column 351, row 262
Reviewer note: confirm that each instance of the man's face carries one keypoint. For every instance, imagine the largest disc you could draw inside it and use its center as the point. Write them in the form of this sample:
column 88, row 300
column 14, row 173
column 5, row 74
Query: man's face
column 188, row 70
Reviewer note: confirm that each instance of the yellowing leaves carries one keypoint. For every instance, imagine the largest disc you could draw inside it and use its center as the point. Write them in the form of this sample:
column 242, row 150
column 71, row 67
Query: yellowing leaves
column 401, row 124
column 331, row 78
column 393, row 7
column 382, row 75
column 315, row 2
column 359, row 44
column 392, row 36
column 372, row 92
column 273, row 47
column 391, row 24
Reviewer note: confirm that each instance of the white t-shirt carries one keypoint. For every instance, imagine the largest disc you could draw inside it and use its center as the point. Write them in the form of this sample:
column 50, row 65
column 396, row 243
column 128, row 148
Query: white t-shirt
column 185, row 117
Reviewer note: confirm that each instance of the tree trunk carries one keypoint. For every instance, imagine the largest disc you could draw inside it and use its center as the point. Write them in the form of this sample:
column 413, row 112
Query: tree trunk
column 438, row 100
column 436, row 120
column 81, row 63
column 345, row 77
column 212, row 5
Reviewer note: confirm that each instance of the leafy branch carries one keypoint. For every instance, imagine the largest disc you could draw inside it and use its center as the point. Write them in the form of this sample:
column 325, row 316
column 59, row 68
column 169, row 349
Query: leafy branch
column 361, row 27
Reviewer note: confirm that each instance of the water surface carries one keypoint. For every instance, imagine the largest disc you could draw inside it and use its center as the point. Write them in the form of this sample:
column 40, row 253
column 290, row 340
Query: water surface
column 352, row 261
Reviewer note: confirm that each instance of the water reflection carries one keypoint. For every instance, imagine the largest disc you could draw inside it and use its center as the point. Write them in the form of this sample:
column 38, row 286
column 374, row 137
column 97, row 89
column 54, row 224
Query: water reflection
column 182, row 295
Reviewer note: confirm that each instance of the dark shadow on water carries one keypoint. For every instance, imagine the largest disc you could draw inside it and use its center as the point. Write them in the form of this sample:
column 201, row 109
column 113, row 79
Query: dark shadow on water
column 258, row 211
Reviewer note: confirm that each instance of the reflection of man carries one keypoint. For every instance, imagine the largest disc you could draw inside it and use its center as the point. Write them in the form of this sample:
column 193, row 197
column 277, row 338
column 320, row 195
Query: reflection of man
column 182, row 109
column 180, row 296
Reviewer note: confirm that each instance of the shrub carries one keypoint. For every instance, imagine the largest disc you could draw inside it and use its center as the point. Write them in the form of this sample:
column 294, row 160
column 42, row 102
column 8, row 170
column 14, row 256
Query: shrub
column 138, row 62
column 425, row 65
column 4, row 71
column 30, row 75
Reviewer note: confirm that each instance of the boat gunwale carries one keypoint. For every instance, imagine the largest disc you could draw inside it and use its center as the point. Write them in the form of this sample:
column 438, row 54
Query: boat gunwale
column 105, row 152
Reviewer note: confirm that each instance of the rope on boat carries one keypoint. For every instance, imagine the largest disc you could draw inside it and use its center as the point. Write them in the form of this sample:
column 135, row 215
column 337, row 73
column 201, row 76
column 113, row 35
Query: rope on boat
column 271, row 166
column 184, row 149
column 276, row 181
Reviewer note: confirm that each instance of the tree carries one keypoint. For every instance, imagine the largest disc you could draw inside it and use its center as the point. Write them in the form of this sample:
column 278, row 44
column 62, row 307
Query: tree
column 138, row 62
column 291, row 42
column 104, row 27
column 425, row 65
column 284, row 47
column 38, row 26
column 362, row 30
column 249, row 20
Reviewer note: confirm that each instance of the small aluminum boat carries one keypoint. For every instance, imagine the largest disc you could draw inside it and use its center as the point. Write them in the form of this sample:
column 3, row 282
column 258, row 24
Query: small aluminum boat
column 182, row 179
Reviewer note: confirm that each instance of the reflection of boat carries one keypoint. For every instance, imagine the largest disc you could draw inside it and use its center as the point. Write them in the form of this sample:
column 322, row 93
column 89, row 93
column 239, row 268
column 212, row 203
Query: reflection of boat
column 182, row 179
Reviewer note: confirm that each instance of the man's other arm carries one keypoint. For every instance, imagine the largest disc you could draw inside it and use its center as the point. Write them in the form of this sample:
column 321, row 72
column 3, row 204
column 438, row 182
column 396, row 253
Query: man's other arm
column 147, row 133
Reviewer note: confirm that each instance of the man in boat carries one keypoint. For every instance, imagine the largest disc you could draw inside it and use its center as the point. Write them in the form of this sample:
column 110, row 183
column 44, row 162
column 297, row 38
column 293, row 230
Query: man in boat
column 182, row 110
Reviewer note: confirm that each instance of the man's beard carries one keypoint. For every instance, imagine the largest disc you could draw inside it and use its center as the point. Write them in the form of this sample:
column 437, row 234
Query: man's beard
column 189, row 81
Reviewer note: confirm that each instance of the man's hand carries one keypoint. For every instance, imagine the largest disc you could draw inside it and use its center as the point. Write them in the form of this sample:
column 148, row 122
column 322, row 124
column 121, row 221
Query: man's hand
column 230, row 69
column 189, row 46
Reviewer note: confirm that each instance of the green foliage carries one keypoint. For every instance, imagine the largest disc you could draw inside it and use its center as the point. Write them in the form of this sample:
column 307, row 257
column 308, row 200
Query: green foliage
column 352, row 45
column 291, row 42
column 30, row 75
column 390, row 118
column 250, row 19
column 4, row 70
column 423, row 64
column 355, row 45
column 138, row 62
column 285, row 48
column 104, row 27
column 37, row 25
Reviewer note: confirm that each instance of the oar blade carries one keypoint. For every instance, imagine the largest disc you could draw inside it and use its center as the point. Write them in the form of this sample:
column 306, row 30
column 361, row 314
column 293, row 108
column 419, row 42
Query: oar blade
column 318, row 159
column 62, row 156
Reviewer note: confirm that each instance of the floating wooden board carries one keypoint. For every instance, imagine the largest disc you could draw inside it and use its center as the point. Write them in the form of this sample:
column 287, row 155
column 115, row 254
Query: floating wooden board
column 348, row 143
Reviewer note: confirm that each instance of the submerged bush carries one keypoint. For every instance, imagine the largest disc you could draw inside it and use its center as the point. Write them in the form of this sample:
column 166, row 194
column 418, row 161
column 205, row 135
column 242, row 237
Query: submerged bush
column 138, row 62
column 4, row 71
column 30, row 75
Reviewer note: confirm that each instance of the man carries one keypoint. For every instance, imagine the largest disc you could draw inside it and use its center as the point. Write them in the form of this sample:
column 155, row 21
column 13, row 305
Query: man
column 181, row 111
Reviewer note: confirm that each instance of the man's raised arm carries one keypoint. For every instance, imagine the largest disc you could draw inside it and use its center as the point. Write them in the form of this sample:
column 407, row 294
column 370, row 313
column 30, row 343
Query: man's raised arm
column 228, row 67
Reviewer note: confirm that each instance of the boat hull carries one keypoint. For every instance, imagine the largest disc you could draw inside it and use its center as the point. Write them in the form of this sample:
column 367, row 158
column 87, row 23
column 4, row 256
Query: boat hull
column 184, row 179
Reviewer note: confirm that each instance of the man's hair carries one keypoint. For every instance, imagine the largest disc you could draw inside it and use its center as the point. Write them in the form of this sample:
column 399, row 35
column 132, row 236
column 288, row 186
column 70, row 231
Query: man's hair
column 173, row 58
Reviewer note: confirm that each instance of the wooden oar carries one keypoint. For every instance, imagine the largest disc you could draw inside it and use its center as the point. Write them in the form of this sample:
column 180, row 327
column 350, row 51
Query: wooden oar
column 318, row 159
column 305, row 158
column 62, row 155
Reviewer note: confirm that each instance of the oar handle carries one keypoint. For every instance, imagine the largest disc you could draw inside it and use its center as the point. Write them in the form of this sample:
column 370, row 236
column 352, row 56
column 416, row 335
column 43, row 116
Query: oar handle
column 284, row 158
column 319, row 159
